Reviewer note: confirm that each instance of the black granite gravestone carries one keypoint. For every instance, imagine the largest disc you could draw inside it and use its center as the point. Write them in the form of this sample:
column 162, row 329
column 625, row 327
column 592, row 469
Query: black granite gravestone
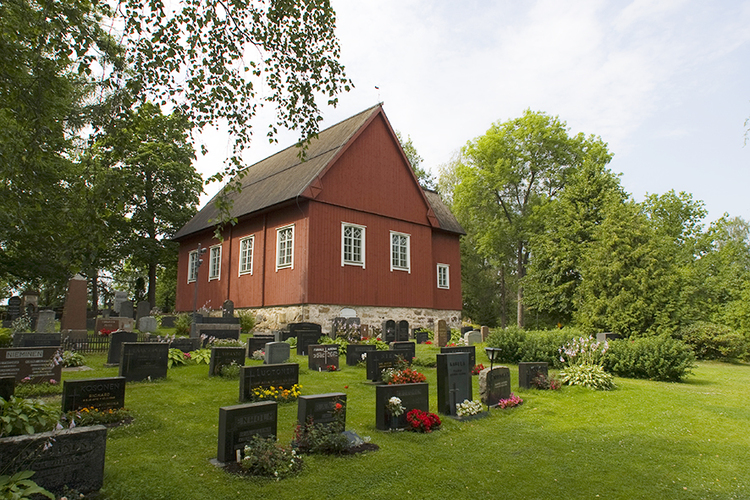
column 377, row 361
column 238, row 424
column 389, row 331
column 144, row 360
column 354, row 353
column 30, row 365
column 469, row 349
column 37, row 340
column 402, row 331
column 224, row 356
column 327, row 409
column 412, row 396
column 283, row 375
column 453, row 381
column 494, row 385
column 528, row 371
column 116, row 339
column 322, row 356
column 100, row 393
column 306, row 333
column 406, row 349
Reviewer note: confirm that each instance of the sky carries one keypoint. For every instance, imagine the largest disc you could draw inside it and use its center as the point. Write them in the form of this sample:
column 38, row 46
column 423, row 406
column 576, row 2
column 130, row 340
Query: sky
column 666, row 83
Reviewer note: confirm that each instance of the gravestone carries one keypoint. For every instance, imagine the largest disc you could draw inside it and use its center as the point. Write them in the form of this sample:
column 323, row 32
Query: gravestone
column 283, row 375
column 469, row 349
column 321, row 409
column 443, row 333
column 607, row 336
column 119, row 299
column 185, row 344
column 45, row 322
column 377, row 361
column 402, row 331
column 72, row 458
column 37, row 340
column 466, row 329
column 473, row 337
column 494, row 385
column 528, row 371
column 108, row 324
column 354, row 353
column 100, row 393
column 485, row 331
column 277, row 353
column 306, row 333
column 147, row 324
column 143, row 310
column 282, row 335
column 90, row 324
column 321, row 356
column 168, row 321
column 258, row 343
column 224, row 356
column 227, row 309
column 116, row 339
column 7, row 387
column 126, row 310
column 74, row 311
column 407, row 349
column 239, row 423
column 389, row 331
column 106, row 313
column 453, row 381
column 216, row 330
column 35, row 363
column 412, row 396
column 421, row 336
column 14, row 307
column 145, row 360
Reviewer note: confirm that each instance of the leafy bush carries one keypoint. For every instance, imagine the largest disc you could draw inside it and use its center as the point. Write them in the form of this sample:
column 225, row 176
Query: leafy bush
column 21, row 324
column 292, row 341
column 20, row 486
column 262, row 457
column 518, row 345
column 379, row 344
column 429, row 361
column 6, row 337
column 182, row 324
column 72, row 358
column 201, row 356
column 323, row 438
column 177, row 358
column 28, row 390
column 230, row 371
column 655, row 358
column 19, row 417
column 712, row 341
column 587, row 375
column 342, row 342
column 247, row 320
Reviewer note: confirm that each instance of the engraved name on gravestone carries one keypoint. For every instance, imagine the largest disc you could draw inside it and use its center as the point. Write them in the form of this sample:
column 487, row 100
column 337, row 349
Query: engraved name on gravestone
column 402, row 331
column 239, row 423
column 307, row 334
column 377, row 361
column 406, row 349
column 469, row 349
column 72, row 458
column 141, row 361
column 389, row 331
column 283, row 375
column 322, row 409
column 14, row 307
column 412, row 396
column 185, row 344
column 37, row 340
column 321, row 356
column 101, row 393
column 443, row 333
column 45, row 322
column 494, row 385
column 276, row 353
column 528, row 371
column 35, row 363
column 453, row 381
column 116, row 339
column 354, row 353
column 225, row 356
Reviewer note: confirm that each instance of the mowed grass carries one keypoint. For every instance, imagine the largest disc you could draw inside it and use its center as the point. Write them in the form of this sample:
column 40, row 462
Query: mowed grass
column 648, row 440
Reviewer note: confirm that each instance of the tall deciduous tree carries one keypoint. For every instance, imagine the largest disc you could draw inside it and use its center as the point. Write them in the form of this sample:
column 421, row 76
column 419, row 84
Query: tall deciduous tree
column 509, row 173
column 426, row 180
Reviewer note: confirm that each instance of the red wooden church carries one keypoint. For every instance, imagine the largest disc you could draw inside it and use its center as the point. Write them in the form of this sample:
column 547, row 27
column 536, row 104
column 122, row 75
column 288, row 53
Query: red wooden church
column 348, row 228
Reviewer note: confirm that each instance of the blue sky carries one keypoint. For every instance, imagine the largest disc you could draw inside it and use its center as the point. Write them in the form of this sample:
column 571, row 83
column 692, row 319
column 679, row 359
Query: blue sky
column 665, row 83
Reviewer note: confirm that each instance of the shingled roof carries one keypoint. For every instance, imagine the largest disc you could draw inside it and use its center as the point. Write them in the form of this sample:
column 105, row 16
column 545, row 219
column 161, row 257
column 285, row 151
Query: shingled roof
column 283, row 177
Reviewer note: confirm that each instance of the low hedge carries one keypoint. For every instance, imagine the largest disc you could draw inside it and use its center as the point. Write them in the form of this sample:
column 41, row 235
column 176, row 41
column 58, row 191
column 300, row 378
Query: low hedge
column 655, row 358
column 517, row 345
column 712, row 341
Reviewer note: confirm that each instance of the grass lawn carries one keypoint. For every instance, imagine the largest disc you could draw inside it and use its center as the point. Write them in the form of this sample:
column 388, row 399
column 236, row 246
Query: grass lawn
column 648, row 440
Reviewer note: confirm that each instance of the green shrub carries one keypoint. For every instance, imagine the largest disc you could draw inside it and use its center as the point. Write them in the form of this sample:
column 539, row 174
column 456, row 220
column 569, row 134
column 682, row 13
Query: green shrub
column 655, row 358
column 587, row 375
column 20, row 486
column 262, row 457
column 247, row 320
column 71, row 358
column 230, row 371
column 19, row 417
column 712, row 341
column 292, row 341
column 341, row 341
column 182, row 324
column 201, row 356
column 518, row 345
column 177, row 358
column 6, row 337
column 429, row 361
column 29, row 390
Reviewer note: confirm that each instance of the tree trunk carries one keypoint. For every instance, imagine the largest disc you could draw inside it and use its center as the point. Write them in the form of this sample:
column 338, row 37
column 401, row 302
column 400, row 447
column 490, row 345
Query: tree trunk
column 152, row 285
column 503, row 299
column 95, row 292
column 520, row 271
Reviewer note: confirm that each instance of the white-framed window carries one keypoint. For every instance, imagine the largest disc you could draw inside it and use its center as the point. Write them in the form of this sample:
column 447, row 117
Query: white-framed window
column 246, row 255
column 214, row 263
column 352, row 244
column 443, row 276
column 285, row 247
column 193, row 266
column 400, row 252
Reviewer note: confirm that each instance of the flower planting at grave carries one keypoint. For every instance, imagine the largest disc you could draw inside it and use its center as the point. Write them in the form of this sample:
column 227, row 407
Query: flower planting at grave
column 422, row 421
column 404, row 376
column 511, row 402
column 541, row 381
column 477, row 368
column 469, row 408
column 278, row 394
column 201, row 356
column 176, row 357
column 259, row 355
column 394, row 406
column 263, row 457
column 328, row 439
column 105, row 332
column 331, row 368
column 73, row 359
column 110, row 417
column 19, row 416
column 583, row 357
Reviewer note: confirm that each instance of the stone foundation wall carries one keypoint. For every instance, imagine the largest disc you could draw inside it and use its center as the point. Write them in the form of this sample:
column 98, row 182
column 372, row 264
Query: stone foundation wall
column 276, row 318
